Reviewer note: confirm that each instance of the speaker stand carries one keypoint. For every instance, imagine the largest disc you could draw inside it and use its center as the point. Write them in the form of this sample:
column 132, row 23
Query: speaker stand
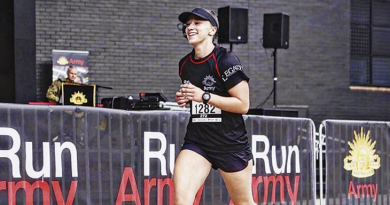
column 275, row 76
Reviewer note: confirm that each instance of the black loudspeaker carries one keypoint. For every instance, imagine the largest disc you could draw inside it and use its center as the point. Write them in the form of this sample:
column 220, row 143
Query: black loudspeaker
column 233, row 25
column 276, row 31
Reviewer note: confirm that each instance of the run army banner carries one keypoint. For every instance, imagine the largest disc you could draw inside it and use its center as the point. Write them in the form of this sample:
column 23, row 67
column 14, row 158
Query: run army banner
column 283, row 149
column 82, row 155
column 357, row 159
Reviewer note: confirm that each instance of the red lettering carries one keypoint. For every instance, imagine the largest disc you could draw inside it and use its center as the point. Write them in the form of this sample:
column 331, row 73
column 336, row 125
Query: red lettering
column 147, row 186
column 255, row 184
column 293, row 194
column 60, row 197
column 375, row 191
column 351, row 190
column 29, row 190
column 128, row 175
column 76, row 61
column 3, row 185
column 363, row 191
column 274, row 181
column 362, row 187
column 198, row 195
column 160, row 187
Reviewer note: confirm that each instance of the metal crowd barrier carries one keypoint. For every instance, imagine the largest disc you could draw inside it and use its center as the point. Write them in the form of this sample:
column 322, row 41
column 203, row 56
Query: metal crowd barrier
column 82, row 155
column 357, row 162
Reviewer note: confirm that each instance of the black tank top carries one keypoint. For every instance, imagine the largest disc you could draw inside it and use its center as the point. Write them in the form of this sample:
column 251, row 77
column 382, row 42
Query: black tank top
column 210, row 128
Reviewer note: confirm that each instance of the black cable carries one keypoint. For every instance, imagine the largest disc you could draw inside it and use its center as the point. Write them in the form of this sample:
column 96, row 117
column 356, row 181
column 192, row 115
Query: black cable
column 269, row 68
column 261, row 104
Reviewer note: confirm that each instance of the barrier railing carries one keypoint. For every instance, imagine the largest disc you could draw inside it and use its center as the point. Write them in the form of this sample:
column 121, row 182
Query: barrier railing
column 357, row 162
column 81, row 155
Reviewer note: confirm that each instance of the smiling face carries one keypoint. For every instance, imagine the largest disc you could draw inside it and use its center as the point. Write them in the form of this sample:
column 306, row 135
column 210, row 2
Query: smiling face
column 199, row 31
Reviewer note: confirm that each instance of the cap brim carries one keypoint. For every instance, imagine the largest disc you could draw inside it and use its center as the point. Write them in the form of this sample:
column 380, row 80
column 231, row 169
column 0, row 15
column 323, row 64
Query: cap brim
column 183, row 17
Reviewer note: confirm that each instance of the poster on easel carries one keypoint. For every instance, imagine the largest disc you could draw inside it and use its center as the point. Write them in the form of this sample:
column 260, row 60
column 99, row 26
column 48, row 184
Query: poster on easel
column 63, row 59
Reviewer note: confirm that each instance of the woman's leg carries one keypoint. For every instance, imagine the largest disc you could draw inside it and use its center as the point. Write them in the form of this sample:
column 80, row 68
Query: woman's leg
column 239, row 185
column 191, row 170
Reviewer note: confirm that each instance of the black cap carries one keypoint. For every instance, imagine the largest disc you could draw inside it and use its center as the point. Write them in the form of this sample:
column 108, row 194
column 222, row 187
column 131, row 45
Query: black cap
column 202, row 13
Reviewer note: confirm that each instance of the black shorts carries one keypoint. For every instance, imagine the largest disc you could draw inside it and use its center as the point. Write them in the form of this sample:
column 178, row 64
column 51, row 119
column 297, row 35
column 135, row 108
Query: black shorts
column 227, row 162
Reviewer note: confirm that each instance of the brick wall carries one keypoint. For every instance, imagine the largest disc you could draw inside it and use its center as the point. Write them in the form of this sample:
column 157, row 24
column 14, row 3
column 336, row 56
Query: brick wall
column 135, row 47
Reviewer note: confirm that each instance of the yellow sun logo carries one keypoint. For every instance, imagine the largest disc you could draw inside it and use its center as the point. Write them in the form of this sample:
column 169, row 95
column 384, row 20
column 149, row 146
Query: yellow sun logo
column 62, row 60
column 363, row 159
column 78, row 98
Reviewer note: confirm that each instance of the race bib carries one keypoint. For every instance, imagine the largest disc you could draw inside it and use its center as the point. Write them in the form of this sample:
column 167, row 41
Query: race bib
column 205, row 113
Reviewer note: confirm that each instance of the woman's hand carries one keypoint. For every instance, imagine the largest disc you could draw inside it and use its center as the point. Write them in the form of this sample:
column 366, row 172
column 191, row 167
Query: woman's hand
column 181, row 99
column 238, row 102
column 191, row 92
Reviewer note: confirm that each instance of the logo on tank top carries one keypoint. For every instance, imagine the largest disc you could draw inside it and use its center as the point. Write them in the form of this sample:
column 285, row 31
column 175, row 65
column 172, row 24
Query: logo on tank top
column 208, row 83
